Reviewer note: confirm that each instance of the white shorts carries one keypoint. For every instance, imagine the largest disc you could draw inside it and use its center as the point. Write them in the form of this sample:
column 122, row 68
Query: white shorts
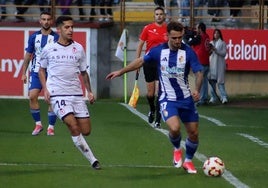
column 64, row 105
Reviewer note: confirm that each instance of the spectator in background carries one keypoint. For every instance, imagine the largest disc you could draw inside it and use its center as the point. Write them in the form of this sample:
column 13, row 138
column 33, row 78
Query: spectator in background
column 217, row 66
column 200, row 44
column 160, row 3
column 106, row 13
column 66, row 11
column 80, row 9
column 22, row 10
column 234, row 9
column 215, row 12
column 257, row 2
column 92, row 11
column 185, row 8
column 3, row 9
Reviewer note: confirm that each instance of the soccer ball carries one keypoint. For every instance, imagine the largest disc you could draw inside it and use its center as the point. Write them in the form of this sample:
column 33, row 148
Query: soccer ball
column 214, row 167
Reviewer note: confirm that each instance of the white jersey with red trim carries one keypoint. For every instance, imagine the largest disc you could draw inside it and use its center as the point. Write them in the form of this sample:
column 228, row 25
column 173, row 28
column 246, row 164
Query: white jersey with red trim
column 64, row 64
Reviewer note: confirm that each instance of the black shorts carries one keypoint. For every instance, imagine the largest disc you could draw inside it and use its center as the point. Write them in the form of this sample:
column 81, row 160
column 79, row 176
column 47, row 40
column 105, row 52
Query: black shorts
column 150, row 72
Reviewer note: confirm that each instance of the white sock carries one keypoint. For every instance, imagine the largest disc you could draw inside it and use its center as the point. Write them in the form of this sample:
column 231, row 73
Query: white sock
column 38, row 123
column 81, row 144
column 187, row 160
column 50, row 127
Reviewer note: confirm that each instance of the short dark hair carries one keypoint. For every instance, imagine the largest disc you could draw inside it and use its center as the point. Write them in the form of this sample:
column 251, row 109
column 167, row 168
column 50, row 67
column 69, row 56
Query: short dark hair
column 174, row 25
column 45, row 13
column 202, row 26
column 61, row 19
column 159, row 8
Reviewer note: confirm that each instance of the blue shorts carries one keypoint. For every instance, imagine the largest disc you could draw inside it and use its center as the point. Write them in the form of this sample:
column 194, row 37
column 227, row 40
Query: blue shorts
column 185, row 109
column 34, row 82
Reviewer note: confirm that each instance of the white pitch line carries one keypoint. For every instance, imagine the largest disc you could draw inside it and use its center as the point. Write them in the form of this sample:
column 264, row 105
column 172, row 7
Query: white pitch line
column 228, row 176
column 86, row 166
column 213, row 120
column 254, row 139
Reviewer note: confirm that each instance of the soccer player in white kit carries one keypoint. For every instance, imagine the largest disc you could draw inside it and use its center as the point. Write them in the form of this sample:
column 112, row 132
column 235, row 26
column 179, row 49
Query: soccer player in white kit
column 64, row 61
column 174, row 61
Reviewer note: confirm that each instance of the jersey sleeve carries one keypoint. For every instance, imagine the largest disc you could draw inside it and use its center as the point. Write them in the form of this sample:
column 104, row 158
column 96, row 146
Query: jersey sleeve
column 143, row 35
column 153, row 56
column 149, row 56
column 30, row 47
column 194, row 62
column 83, row 61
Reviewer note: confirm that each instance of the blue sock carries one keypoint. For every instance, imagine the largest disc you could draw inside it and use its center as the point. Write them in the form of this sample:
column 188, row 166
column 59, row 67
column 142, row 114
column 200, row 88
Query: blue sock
column 175, row 141
column 51, row 118
column 36, row 114
column 191, row 148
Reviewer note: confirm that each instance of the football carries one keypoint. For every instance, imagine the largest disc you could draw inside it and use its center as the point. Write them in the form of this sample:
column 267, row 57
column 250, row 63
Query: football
column 213, row 167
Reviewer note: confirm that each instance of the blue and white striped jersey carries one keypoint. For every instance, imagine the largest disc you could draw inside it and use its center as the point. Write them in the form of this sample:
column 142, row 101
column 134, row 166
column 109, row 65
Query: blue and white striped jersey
column 173, row 69
column 36, row 43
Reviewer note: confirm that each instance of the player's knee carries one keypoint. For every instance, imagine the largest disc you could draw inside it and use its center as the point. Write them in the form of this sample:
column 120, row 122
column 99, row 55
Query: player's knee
column 86, row 133
column 193, row 135
column 174, row 131
column 74, row 130
column 33, row 98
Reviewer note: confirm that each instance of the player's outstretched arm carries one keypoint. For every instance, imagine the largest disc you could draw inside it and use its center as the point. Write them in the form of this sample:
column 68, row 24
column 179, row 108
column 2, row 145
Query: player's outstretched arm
column 134, row 65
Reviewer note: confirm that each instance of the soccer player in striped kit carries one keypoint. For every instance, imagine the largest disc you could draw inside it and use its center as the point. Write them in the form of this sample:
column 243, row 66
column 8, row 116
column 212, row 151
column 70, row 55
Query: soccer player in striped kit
column 36, row 43
column 64, row 61
column 174, row 61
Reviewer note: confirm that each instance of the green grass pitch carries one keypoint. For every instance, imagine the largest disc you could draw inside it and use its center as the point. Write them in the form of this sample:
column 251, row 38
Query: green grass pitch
column 132, row 153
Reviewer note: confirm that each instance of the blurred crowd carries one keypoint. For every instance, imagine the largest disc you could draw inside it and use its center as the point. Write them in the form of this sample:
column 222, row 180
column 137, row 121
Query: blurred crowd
column 22, row 6
column 104, row 11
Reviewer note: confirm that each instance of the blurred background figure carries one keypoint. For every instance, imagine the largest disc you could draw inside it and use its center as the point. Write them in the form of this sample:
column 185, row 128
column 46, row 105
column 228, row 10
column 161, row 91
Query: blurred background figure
column 256, row 2
column 3, row 9
column 235, row 6
column 80, row 3
column 200, row 44
column 22, row 10
column 185, row 9
column 66, row 10
column 217, row 67
column 215, row 12
column 106, row 13
column 160, row 3
column 92, row 11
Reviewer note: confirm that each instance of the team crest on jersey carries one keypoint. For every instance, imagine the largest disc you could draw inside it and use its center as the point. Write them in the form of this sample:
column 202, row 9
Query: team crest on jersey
column 74, row 50
column 181, row 59
column 62, row 111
